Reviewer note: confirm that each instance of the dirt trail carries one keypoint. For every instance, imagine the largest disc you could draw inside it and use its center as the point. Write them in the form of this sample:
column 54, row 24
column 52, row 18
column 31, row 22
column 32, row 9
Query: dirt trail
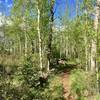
column 65, row 77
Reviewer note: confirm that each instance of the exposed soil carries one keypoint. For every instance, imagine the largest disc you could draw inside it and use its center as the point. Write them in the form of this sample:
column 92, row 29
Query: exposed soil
column 65, row 77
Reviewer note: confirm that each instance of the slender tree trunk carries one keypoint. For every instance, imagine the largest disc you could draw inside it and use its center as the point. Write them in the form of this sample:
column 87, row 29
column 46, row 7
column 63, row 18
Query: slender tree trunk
column 86, row 46
column 39, row 37
column 89, row 57
column 94, row 66
column 25, row 45
column 96, row 22
column 49, row 55
column 93, row 55
column 86, row 54
column 66, row 45
column 94, row 40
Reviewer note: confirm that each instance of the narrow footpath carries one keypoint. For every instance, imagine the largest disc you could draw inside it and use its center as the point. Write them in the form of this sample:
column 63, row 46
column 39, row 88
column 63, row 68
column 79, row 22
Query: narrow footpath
column 65, row 77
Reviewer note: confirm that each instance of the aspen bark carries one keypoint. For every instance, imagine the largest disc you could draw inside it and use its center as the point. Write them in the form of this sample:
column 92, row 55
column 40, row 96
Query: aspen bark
column 86, row 46
column 93, row 55
column 96, row 22
column 94, row 66
column 25, row 45
column 94, row 40
column 39, row 37
column 86, row 54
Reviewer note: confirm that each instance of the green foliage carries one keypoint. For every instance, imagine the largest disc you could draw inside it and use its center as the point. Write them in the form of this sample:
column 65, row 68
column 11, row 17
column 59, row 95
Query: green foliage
column 78, row 80
column 22, row 83
column 83, row 84
column 98, row 97
column 70, row 40
column 54, row 91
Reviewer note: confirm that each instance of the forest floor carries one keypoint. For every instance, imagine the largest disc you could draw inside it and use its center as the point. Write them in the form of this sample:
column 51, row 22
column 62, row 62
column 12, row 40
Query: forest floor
column 66, row 82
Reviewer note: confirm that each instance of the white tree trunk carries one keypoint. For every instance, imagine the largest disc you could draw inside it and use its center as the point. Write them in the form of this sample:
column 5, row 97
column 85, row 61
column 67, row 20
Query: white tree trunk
column 94, row 41
column 86, row 47
column 39, row 37
column 96, row 29
column 66, row 45
column 94, row 66
column 25, row 45
column 86, row 54
column 93, row 55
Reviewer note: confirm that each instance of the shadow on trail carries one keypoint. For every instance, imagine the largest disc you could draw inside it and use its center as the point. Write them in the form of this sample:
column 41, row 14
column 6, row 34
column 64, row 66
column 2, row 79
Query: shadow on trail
column 65, row 68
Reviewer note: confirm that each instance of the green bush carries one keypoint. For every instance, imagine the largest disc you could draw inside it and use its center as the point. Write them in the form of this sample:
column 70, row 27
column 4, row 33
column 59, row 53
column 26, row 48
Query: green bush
column 98, row 97
column 22, row 83
column 83, row 84
column 78, row 83
column 55, row 89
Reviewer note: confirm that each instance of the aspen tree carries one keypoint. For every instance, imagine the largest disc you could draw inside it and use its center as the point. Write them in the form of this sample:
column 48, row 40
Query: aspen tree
column 49, row 55
column 39, row 34
column 96, row 22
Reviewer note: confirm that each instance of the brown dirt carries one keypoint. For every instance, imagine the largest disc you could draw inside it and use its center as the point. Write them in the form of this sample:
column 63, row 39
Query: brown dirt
column 65, row 77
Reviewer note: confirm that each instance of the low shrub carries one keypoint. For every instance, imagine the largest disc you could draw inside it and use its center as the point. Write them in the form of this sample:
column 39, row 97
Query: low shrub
column 22, row 83
column 83, row 84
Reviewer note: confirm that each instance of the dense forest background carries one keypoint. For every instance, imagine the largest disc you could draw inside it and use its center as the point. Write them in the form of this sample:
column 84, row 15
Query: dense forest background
column 48, row 54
